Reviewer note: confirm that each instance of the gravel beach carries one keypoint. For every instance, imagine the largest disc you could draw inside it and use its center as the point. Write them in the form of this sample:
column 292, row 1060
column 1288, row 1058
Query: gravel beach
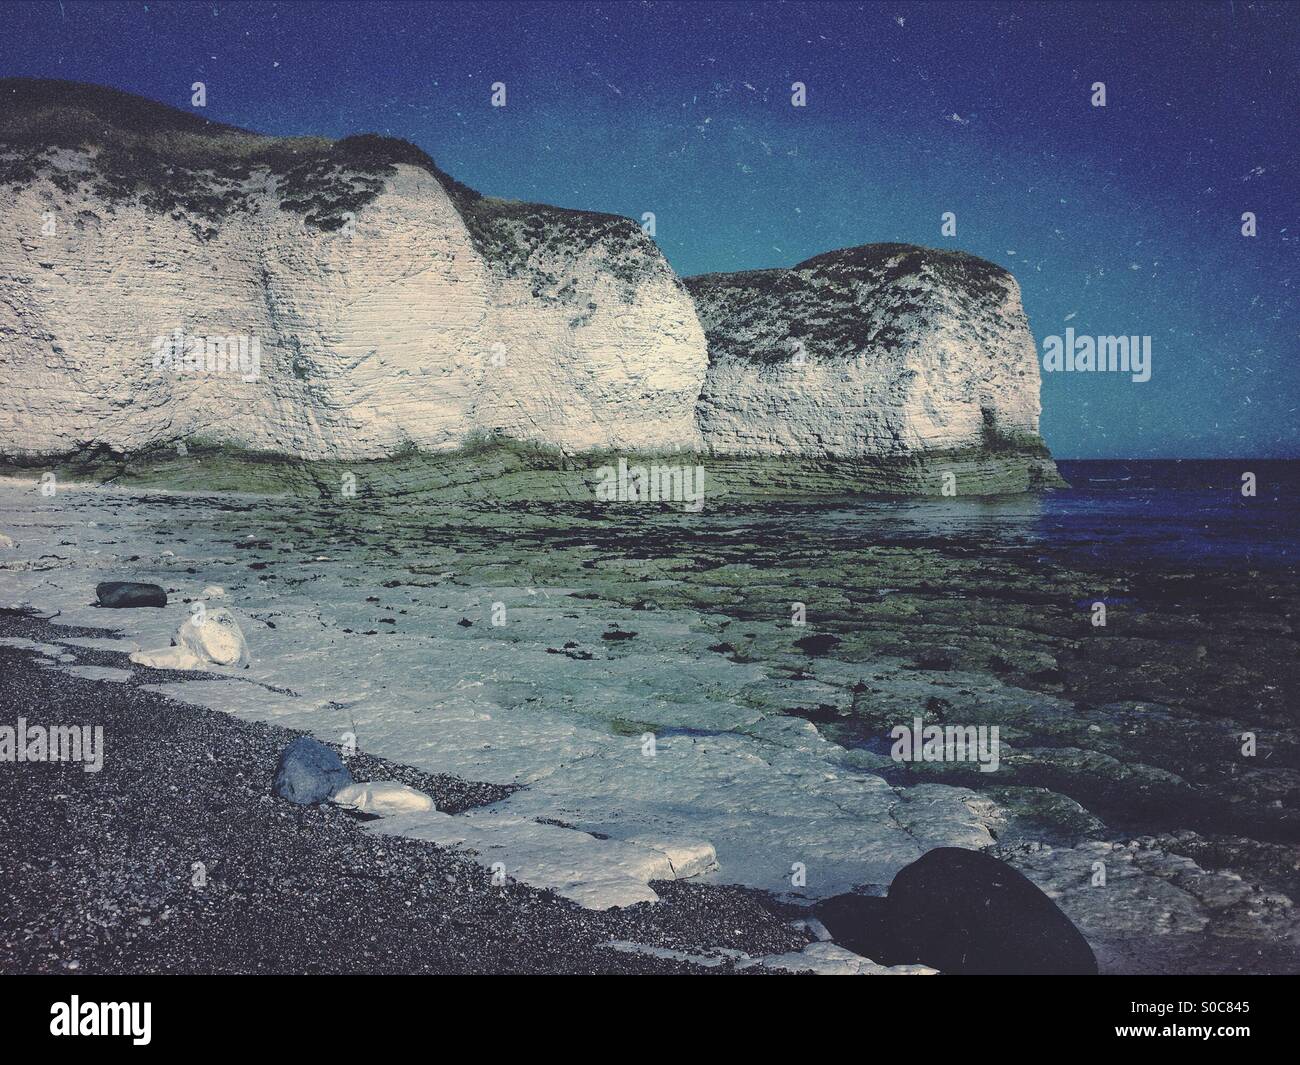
column 97, row 869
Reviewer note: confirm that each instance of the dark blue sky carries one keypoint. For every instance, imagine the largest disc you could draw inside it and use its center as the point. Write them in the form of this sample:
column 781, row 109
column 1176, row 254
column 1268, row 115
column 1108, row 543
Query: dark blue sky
column 1122, row 220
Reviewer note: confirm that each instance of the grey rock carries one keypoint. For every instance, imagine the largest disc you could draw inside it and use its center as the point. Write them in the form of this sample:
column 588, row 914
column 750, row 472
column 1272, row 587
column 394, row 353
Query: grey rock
column 309, row 773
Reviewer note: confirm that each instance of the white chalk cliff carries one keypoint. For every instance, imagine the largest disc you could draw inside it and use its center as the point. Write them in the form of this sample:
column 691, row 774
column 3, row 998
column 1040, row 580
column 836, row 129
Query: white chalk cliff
column 396, row 326
column 885, row 349
column 392, row 307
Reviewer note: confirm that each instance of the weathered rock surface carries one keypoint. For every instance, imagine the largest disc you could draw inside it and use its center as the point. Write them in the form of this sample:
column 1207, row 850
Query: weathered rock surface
column 391, row 307
column 884, row 349
column 594, row 871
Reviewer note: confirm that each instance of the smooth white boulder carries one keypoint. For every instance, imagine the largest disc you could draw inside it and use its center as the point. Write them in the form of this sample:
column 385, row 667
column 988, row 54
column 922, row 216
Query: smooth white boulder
column 6, row 541
column 212, row 638
column 383, row 798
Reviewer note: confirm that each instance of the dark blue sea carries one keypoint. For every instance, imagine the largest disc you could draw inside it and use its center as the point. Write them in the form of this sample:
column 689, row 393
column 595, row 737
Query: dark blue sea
column 1167, row 513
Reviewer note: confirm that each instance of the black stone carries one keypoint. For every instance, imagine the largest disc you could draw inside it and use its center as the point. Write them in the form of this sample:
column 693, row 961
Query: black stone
column 962, row 911
column 860, row 923
column 119, row 594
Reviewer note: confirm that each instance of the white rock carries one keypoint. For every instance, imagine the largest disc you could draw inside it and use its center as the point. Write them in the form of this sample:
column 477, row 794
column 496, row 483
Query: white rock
column 593, row 872
column 6, row 541
column 824, row 959
column 213, row 591
column 688, row 857
column 383, row 798
column 173, row 657
column 914, row 349
column 367, row 343
column 217, row 640
column 606, row 894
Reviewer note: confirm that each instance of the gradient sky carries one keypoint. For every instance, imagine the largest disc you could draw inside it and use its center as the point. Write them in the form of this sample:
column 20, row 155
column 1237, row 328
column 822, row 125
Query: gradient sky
column 1123, row 219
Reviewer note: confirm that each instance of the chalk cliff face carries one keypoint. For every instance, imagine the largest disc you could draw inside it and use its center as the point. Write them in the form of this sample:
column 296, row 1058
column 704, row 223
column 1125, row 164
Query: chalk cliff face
column 380, row 306
column 390, row 306
column 885, row 349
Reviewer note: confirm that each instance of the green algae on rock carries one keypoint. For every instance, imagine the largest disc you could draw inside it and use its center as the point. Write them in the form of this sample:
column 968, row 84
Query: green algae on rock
column 491, row 468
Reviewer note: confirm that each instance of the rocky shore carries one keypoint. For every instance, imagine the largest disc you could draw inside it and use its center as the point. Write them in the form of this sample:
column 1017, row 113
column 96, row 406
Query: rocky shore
column 98, row 870
column 535, row 646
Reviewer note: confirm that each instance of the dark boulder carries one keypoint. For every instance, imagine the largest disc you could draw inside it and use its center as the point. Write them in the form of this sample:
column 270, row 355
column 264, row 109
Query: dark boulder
column 118, row 594
column 309, row 772
column 962, row 911
column 860, row 923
